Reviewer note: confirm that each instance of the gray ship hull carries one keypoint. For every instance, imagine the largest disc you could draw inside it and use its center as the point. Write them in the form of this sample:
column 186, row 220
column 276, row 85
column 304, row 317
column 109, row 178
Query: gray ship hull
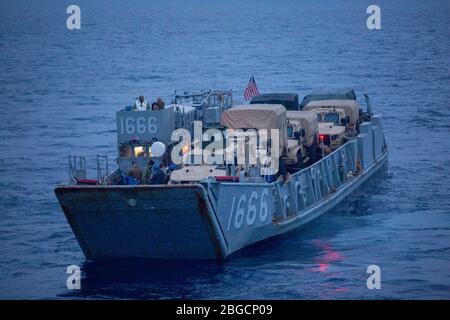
column 213, row 219
column 142, row 221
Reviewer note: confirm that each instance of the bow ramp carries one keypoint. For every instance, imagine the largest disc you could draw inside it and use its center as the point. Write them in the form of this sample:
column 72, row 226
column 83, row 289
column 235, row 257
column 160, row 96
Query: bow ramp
column 143, row 221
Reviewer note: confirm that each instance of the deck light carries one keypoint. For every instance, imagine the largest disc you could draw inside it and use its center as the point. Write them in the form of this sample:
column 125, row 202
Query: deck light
column 157, row 149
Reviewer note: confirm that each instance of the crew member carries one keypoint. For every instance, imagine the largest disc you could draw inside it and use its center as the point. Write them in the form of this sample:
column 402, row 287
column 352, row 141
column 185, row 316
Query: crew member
column 147, row 173
column 315, row 151
column 135, row 172
column 326, row 149
column 159, row 175
column 141, row 104
column 350, row 132
column 160, row 103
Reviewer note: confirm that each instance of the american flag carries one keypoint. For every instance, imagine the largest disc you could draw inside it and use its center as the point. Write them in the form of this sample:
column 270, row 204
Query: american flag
column 251, row 90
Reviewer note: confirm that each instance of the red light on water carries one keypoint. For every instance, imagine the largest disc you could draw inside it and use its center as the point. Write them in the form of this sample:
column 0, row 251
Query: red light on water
column 323, row 267
column 328, row 256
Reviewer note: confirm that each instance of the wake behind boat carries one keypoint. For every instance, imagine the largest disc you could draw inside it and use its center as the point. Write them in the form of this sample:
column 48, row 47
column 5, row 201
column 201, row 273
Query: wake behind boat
column 326, row 147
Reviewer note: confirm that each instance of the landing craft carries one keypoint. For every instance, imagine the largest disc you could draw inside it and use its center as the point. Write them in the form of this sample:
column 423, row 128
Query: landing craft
column 211, row 211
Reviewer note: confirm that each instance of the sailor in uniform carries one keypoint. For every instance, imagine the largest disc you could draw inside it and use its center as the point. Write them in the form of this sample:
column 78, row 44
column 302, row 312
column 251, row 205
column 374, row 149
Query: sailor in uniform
column 141, row 104
column 350, row 132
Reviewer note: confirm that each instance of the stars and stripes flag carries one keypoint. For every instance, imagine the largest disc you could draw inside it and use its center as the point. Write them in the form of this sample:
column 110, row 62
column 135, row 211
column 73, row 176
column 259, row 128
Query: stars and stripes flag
column 251, row 90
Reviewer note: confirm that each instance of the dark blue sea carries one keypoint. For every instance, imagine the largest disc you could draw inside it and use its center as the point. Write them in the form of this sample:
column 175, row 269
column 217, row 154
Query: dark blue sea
column 60, row 88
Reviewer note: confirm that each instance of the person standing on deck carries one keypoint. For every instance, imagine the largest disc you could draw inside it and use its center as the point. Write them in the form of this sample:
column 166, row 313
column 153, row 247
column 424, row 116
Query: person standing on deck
column 148, row 172
column 135, row 172
column 350, row 132
column 160, row 103
column 159, row 175
column 326, row 149
column 141, row 104
column 315, row 152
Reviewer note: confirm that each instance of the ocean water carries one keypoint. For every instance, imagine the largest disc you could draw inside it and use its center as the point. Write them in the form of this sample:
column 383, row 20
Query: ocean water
column 59, row 90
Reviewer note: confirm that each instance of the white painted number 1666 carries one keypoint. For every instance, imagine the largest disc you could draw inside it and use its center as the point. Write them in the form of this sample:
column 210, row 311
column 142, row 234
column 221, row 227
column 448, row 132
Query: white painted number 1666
column 246, row 209
column 140, row 125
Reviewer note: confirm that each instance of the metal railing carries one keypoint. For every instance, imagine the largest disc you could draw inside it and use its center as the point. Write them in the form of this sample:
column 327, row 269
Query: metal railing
column 77, row 167
column 102, row 169
column 209, row 104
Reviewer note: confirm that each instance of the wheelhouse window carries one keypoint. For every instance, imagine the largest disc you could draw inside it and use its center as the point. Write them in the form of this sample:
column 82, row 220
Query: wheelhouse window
column 140, row 151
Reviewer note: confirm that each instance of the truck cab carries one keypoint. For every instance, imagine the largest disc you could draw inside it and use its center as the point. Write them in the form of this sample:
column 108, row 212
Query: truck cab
column 332, row 115
column 340, row 112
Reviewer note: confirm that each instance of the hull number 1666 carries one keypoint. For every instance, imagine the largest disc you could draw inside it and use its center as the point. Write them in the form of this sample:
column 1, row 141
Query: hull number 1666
column 248, row 210
column 139, row 125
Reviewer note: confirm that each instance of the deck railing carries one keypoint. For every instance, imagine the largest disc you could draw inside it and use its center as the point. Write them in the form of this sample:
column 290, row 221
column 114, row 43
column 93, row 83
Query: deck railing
column 102, row 169
column 77, row 167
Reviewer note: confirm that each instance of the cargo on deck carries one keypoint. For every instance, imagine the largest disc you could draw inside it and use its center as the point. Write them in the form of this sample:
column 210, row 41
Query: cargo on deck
column 257, row 116
column 288, row 100
column 350, row 107
column 307, row 120
column 343, row 94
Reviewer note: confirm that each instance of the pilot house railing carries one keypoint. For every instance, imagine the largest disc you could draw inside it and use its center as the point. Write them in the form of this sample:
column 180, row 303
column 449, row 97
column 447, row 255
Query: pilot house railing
column 209, row 104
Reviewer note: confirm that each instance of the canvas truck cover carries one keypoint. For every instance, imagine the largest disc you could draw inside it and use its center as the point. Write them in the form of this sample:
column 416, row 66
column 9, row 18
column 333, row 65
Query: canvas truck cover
column 308, row 120
column 350, row 107
column 288, row 100
column 257, row 116
column 342, row 94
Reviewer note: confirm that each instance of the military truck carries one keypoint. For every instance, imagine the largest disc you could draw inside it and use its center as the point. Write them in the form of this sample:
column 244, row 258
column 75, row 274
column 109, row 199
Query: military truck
column 334, row 116
column 258, row 117
column 302, row 127
column 340, row 112
column 328, row 94
column 287, row 100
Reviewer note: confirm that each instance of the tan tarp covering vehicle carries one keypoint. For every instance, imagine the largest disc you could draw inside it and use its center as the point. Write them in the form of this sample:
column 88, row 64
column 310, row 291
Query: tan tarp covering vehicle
column 307, row 120
column 350, row 107
column 257, row 116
